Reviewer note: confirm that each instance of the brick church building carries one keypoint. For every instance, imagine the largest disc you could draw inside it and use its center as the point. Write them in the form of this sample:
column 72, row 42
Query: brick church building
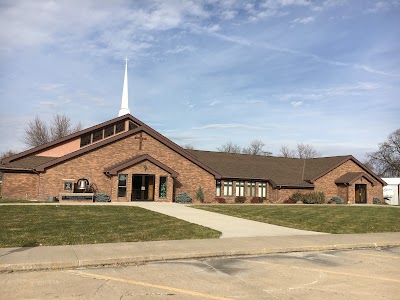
column 129, row 161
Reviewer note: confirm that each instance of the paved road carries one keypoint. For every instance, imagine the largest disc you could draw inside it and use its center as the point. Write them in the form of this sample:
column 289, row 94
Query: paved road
column 352, row 274
column 229, row 226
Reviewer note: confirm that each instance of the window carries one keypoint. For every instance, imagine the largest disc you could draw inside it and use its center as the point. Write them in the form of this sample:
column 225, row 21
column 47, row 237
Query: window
column 162, row 192
column 109, row 131
column 262, row 189
column 97, row 135
column 239, row 188
column 251, row 189
column 86, row 140
column 132, row 125
column 122, row 185
column 120, row 127
column 218, row 188
column 228, row 188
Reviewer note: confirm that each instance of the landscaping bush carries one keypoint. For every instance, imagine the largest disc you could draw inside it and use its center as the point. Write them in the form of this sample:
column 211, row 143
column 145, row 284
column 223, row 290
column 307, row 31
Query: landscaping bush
column 336, row 200
column 240, row 199
column 200, row 194
column 257, row 200
column 308, row 198
column 101, row 197
column 183, row 198
column 376, row 201
column 220, row 200
column 289, row 201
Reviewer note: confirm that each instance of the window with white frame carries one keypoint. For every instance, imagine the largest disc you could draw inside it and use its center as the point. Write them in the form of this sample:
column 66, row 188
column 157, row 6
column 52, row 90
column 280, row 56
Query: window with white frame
column 218, row 188
column 262, row 189
column 239, row 188
column 251, row 188
column 228, row 187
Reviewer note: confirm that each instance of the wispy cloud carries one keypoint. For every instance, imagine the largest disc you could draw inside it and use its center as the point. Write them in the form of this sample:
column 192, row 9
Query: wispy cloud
column 51, row 86
column 304, row 20
column 296, row 103
column 227, row 126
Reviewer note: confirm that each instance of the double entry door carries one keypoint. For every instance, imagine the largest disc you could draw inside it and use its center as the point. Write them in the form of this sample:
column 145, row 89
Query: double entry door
column 361, row 193
column 142, row 187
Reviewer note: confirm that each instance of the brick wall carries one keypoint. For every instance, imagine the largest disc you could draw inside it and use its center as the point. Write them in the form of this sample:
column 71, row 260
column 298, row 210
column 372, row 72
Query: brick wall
column 327, row 184
column 20, row 185
column 91, row 166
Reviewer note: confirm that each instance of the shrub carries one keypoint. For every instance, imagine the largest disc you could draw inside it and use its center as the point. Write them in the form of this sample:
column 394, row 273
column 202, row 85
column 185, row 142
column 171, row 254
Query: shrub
column 289, row 201
column 308, row 198
column 220, row 200
column 240, row 199
column 336, row 200
column 257, row 200
column 200, row 194
column 101, row 197
column 183, row 198
column 376, row 201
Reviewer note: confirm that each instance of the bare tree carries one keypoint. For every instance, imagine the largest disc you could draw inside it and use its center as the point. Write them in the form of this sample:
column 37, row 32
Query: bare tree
column 229, row 147
column 285, row 151
column 4, row 155
column 188, row 147
column 386, row 160
column 301, row 151
column 39, row 132
column 307, row 151
column 255, row 148
column 61, row 126
column 36, row 133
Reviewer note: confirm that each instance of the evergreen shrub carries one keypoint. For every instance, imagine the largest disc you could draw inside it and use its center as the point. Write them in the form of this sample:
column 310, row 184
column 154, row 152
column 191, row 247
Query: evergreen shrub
column 376, row 201
column 183, row 198
column 336, row 200
column 200, row 194
column 101, row 197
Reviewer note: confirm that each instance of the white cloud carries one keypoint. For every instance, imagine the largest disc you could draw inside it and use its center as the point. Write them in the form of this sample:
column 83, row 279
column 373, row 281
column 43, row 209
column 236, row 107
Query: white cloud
column 296, row 103
column 179, row 49
column 51, row 86
column 228, row 14
column 227, row 126
column 305, row 20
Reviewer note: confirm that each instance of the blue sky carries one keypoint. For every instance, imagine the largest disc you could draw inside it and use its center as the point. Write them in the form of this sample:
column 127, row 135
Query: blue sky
column 207, row 72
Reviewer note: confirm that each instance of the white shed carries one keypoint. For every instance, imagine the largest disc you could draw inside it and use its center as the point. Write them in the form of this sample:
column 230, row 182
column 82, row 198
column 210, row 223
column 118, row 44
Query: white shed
column 391, row 192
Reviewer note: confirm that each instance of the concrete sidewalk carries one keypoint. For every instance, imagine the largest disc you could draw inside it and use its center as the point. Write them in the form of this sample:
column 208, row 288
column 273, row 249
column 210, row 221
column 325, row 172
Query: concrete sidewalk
column 72, row 256
column 230, row 227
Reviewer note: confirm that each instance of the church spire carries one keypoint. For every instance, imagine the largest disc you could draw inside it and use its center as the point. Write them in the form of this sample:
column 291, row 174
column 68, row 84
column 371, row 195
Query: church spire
column 124, row 102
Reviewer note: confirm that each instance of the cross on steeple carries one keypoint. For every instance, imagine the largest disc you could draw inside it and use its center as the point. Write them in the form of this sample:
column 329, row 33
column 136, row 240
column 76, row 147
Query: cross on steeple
column 141, row 139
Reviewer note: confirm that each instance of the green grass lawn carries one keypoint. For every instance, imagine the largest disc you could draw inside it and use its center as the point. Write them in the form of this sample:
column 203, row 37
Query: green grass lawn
column 331, row 219
column 9, row 200
column 66, row 225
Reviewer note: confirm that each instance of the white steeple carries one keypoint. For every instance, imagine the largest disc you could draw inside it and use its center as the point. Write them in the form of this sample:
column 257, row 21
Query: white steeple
column 124, row 102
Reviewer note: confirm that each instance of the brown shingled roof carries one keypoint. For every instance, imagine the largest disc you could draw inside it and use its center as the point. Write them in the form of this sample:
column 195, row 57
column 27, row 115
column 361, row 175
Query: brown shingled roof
column 350, row 177
column 29, row 162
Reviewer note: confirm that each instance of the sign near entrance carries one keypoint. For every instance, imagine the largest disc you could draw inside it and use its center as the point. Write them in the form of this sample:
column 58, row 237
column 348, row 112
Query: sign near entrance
column 143, row 188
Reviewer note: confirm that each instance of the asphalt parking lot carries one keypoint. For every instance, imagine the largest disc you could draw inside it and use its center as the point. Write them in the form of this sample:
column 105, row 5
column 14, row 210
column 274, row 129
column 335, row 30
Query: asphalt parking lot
column 351, row 274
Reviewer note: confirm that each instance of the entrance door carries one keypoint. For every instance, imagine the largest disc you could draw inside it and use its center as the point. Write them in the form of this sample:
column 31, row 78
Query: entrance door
column 142, row 188
column 361, row 193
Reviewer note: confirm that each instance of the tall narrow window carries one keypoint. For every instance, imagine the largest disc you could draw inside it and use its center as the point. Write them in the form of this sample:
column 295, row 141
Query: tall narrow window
column 262, row 189
column 228, row 188
column 218, row 188
column 122, row 185
column 162, row 192
column 239, row 188
column 251, row 188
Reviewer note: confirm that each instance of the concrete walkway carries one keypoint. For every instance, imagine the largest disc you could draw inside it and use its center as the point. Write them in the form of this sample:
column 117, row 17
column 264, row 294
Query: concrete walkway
column 73, row 256
column 229, row 226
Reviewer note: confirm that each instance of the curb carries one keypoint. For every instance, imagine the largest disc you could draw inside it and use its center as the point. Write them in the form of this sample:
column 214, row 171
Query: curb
column 189, row 255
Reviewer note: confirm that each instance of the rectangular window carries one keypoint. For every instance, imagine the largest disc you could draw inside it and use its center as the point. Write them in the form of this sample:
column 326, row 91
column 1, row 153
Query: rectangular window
column 218, row 188
column 97, row 135
column 120, row 127
column 86, row 140
column 132, row 125
column 262, row 189
column 162, row 192
column 109, row 131
column 251, row 188
column 122, row 185
column 228, row 188
column 239, row 188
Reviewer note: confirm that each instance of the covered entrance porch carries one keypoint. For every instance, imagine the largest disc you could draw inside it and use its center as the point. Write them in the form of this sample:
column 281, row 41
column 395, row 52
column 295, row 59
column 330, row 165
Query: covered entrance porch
column 355, row 187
